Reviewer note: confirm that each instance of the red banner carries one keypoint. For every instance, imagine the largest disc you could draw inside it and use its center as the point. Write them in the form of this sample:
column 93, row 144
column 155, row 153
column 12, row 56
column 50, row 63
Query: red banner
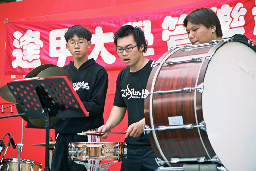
column 30, row 44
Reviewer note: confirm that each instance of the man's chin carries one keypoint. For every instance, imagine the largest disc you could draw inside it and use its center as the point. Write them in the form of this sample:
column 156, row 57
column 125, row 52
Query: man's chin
column 196, row 43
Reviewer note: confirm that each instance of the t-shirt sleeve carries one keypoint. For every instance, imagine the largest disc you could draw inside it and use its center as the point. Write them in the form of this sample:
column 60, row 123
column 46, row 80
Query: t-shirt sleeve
column 118, row 101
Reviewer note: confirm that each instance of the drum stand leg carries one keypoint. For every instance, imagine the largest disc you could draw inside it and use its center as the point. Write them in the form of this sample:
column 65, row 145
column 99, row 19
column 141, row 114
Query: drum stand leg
column 97, row 167
column 19, row 150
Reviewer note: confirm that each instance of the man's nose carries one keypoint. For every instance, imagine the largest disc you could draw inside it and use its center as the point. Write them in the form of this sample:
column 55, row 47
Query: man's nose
column 124, row 52
column 77, row 44
column 191, row 35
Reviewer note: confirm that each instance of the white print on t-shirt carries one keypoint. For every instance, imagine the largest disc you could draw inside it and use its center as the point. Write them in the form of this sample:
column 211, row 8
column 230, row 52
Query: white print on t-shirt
column 79, row 85
column 131, row 93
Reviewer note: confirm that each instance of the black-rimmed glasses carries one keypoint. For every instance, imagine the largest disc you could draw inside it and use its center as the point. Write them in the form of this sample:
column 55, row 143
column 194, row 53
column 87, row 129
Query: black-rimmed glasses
column 127, row 49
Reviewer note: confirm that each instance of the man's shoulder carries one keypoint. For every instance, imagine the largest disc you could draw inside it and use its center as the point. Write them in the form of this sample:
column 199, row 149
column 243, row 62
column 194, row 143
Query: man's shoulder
column 66, row 67
column 124, row 71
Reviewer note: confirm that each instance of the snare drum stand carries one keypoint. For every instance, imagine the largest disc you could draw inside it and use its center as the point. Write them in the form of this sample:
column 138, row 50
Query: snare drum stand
column 97, row 167
column 20, row 145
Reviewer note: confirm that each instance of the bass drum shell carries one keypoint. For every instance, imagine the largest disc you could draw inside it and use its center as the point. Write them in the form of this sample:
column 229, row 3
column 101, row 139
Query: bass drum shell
column 226, row 75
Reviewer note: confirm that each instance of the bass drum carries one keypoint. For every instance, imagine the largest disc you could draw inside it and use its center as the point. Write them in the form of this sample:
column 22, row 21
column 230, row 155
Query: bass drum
column 201, row 105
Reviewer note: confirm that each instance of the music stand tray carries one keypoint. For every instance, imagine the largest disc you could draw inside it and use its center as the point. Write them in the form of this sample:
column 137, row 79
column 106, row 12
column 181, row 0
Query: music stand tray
column 46, row 98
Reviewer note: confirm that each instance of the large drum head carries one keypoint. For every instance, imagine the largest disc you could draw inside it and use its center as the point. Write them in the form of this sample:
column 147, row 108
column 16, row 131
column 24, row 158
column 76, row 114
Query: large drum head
column 229, row 105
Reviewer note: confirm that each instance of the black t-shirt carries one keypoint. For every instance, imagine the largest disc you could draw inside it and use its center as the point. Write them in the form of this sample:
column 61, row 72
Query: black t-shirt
column 130, row 93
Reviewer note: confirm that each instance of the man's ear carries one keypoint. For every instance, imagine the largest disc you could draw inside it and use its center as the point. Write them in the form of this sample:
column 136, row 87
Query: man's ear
column 213, row 28
column 142, row 47
column 89, row 44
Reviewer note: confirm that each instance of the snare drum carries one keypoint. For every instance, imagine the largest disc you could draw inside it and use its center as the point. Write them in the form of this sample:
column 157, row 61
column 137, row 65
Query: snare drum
column 201, row 105
column 11, row 164
column 83, row 151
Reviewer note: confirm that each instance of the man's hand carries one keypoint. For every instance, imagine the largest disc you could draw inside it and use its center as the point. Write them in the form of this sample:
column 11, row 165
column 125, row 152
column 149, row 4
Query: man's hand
column 104, row 128
column 135, row 129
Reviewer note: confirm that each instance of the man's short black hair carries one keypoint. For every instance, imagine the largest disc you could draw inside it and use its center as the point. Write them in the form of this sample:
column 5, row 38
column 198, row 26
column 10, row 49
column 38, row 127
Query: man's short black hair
column 137, row 33
column 206, row 17
column 78, row 30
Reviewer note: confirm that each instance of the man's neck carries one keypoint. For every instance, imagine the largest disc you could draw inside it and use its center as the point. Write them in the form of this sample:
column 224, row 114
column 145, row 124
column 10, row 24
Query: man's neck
column 139, row 65
column 79, row 62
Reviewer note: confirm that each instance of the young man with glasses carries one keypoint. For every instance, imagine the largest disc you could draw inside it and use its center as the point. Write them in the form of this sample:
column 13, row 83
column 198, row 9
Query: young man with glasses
column 130, row 93
column 90, row 80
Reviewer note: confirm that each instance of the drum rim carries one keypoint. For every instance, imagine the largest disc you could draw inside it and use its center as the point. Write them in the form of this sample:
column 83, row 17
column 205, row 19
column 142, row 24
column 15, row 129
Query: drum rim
column 15, row 160
column 151, row 101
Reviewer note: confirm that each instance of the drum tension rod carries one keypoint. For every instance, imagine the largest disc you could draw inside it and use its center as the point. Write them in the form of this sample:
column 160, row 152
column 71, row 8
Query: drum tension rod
column 183, row 90
column 201, row 125
column 183, row 61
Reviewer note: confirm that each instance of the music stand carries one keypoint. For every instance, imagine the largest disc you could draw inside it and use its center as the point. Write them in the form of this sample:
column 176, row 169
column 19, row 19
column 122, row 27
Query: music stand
column 48, row 98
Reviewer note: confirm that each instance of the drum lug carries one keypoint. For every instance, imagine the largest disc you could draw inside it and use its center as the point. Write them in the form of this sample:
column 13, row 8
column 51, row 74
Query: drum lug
column 154, row 64
column 201, row 125
column 196, row 159
column 160, row 162
column 216, row 159
column 102, row 150
column 147, row 129
column 118, row 151
column 194, row 59
column 85, row 150
column 209, row 57
column 200, row 88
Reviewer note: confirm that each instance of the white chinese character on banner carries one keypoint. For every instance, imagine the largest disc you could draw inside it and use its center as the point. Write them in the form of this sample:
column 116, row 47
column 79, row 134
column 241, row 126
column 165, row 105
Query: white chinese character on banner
column 27, row 50
column 174, row 32
column 231, row 19
column 146, row 27
column 57, row 46
column 99, row 38
column 254, row 14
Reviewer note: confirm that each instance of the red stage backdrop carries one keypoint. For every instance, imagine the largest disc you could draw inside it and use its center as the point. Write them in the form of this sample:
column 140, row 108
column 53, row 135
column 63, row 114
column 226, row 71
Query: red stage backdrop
column 29, row 45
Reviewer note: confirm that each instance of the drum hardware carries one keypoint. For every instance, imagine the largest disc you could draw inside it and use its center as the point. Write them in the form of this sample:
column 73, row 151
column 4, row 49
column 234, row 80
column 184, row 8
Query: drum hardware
column 84, row 151
column 183, row 90
column 198, row 159
column 251, row 42
column 194, row 167
column 97, row 167
column 76, row 152
column 155, row 63
column 195, row 159
column 201, row 126
column 209, row 57
column 192, row 47
column 199, row 59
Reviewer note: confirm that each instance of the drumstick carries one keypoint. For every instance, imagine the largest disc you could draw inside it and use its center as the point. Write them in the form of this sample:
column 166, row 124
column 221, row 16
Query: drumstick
column 99, row 133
